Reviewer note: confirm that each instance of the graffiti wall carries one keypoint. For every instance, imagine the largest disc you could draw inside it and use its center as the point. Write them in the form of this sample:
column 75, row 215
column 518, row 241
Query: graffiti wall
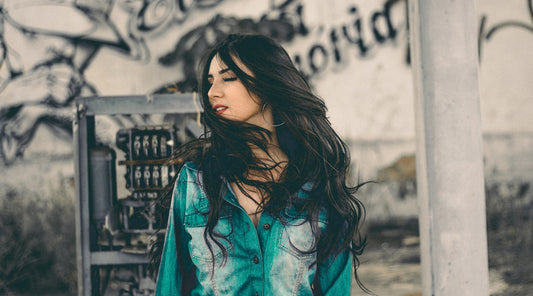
column 355, row 54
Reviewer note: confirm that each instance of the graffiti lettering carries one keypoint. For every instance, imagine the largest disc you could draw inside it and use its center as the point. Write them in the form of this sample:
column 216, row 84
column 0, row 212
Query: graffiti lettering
column 383, row 15
column 319, row 55
column 356, row 38
column 281, row 25
column 485, row 33
column 318, row 52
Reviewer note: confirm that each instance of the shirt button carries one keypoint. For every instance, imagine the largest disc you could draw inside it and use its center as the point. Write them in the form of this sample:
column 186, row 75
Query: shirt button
column 266, row 226
column 256, row 260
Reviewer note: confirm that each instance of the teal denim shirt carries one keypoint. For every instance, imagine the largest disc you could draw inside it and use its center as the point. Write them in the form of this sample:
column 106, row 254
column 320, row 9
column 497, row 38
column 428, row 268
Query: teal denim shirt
column 262, row 261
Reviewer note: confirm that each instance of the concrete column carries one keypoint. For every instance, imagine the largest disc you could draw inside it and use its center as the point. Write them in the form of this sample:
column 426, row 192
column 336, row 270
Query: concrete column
column 449, row 147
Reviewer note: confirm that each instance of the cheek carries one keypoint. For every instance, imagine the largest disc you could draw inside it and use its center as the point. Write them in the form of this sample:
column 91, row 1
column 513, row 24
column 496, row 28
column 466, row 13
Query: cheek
column 252, row 105
column 252, row 101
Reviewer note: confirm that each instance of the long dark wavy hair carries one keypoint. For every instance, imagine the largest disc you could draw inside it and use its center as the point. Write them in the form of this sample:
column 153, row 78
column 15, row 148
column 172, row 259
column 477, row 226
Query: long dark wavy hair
column 315, row 152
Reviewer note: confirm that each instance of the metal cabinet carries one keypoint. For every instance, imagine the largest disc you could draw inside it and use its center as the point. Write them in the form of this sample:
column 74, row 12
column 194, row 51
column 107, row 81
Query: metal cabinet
column 118, row 182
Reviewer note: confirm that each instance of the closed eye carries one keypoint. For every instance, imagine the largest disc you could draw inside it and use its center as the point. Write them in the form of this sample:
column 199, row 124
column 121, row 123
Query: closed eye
column 230, row 79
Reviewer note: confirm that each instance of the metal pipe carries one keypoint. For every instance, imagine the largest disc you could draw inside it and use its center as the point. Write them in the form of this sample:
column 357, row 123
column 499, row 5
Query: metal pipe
column 449, row 157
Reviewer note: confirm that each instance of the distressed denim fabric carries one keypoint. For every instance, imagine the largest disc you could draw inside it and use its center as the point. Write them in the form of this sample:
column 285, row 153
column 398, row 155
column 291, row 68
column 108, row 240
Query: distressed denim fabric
column 263, row 261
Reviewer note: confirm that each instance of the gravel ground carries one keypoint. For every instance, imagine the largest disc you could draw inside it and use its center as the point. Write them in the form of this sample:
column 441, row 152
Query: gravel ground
column 390, row 265
column 389, row 272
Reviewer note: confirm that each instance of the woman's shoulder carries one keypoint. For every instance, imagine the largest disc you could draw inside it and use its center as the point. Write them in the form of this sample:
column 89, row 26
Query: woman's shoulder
column 190, row 166
column 189, row 173
column 188, row 187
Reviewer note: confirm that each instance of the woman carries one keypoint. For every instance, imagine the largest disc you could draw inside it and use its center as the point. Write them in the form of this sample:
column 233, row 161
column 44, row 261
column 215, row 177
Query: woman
column 261, row 205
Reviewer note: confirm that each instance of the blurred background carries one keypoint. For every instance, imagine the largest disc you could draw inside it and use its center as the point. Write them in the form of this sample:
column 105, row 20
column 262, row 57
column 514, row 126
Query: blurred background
column 355, row 54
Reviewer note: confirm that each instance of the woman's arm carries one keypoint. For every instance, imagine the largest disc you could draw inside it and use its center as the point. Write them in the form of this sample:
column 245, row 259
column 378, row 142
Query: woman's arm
column 174, row 276
column 335, row 275
column 169, row 279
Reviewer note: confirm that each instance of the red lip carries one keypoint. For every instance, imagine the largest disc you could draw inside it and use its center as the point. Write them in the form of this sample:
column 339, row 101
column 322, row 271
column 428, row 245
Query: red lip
column 217, row 106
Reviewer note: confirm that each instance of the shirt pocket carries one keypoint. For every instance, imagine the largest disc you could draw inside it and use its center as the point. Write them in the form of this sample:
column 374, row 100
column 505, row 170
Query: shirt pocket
column 296, row 236
column 195, row 225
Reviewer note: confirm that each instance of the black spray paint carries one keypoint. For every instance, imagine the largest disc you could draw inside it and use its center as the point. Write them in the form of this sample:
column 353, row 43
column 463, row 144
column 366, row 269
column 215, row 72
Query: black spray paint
column 320, row 55
column 487, row 33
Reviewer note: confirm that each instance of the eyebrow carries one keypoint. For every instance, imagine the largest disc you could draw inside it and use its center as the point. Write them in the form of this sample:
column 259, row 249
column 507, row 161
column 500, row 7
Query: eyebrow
column 220, row 72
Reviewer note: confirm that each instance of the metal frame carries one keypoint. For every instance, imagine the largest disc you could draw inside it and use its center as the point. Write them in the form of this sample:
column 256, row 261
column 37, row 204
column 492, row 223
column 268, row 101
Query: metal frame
column 84, row 138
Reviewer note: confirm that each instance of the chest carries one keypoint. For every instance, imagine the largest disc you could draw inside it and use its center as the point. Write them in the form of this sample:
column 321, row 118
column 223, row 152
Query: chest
column 271, row 256
column 250, row 200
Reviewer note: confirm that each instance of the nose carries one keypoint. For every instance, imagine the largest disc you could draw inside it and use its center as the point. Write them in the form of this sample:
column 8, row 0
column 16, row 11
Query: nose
column 214, row 91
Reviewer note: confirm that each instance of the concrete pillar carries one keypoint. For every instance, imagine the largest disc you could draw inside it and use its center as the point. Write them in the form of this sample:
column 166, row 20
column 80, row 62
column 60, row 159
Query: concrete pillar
column 449, row 147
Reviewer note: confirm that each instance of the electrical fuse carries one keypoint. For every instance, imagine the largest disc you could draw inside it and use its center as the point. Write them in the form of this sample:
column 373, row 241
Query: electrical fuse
column 146, row 176
column 146, row 146
column 155, row 146
column 155, row 177
column 137, row 146
column 138, row 177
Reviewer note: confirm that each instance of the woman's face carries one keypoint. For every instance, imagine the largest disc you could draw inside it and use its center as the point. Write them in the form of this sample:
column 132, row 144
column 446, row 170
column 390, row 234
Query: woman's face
column 229, row 97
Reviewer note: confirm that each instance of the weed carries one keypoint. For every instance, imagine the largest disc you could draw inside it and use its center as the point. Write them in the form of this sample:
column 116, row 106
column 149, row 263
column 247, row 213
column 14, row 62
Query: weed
column 37, row 240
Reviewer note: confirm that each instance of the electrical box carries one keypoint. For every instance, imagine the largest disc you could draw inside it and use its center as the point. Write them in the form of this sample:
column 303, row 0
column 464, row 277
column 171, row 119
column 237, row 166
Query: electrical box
column 123, row 148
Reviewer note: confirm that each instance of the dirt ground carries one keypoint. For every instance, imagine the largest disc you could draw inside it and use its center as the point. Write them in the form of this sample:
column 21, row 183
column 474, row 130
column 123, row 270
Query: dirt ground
column 391, row 271
column 390, row 265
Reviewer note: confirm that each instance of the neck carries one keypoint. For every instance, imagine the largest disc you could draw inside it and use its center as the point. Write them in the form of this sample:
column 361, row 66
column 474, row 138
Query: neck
column 273, row 158
column 273, row 151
